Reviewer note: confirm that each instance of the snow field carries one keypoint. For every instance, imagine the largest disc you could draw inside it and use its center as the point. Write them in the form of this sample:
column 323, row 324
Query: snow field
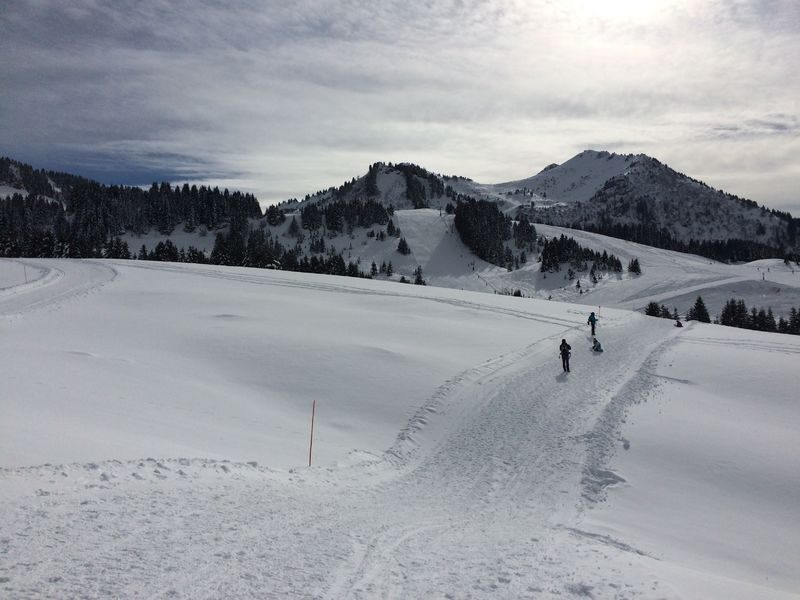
column 158, row 428
column 711, row 488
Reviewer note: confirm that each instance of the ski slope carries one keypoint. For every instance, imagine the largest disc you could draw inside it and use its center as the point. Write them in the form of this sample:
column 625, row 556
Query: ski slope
column 155, row 442
column 671, row 278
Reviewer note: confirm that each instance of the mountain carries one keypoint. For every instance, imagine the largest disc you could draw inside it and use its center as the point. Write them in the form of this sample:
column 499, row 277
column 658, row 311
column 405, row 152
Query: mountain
column 633, row 197
column 576, row 180
column 636, row 197
column 400, row 186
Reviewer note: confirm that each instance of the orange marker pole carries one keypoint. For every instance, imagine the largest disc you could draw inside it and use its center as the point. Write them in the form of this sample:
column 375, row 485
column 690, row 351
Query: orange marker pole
column 311, row 441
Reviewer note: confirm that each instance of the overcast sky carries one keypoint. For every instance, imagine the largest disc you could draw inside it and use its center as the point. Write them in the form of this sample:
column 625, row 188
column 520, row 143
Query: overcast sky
column 285, row 98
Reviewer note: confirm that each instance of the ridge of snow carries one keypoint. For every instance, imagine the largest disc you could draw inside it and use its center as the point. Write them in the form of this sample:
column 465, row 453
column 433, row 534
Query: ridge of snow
column 576, row 180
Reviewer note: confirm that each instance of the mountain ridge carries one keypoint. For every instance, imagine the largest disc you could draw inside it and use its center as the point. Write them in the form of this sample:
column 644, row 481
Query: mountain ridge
column 634, row 197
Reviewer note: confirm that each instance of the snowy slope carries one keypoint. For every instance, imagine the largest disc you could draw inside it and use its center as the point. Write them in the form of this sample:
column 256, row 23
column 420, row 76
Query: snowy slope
column 709, row 490
column 598, row 188
column 576, row 180
column 156, row 433
column 7, row 190
column 671, row 278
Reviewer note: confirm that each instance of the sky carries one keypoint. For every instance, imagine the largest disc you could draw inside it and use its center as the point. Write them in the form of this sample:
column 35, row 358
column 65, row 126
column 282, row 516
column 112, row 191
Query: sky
column 286, row 98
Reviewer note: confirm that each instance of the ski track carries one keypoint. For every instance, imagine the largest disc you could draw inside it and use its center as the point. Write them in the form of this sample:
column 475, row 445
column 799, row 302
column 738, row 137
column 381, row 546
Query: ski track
column 55, row 286
column 507, row 456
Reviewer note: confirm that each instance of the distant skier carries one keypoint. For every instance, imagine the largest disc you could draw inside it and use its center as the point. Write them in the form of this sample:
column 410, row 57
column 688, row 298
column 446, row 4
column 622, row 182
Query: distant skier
column 592, row 321
column 678, row 323
column 596, row 345
column 564, row 349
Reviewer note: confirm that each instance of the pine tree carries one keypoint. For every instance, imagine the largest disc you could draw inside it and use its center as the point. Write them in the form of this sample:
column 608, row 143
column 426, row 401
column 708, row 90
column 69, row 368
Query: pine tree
column 700, row 312
column 294, row 228
column 418, row 280
column 783, row 325
column 770, row 324
column 728, row 315
column 402, row 247
column 653, row 310
column 634, row 267
column 794, row 321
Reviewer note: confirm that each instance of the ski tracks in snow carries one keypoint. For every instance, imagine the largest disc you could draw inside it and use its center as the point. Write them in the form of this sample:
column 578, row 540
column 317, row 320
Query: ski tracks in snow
column 482, row 495
column 55, row 286
column 508, row 482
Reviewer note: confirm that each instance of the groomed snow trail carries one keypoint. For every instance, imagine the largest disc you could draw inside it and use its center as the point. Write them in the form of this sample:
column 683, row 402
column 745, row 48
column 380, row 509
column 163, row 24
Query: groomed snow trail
column 481, row 496
column 53, row 284
column 504, row 482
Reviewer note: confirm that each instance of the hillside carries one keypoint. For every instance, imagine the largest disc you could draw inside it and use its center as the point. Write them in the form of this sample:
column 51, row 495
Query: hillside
column 155, row 442
column 357, row 228
column 638, row 198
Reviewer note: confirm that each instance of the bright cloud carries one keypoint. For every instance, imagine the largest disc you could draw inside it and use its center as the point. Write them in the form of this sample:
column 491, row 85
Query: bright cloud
column 288, row 98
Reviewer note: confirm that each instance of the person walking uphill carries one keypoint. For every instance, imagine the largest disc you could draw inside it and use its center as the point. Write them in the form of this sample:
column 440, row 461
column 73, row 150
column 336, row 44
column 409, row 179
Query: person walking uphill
column 564, row 349
column 592, row 321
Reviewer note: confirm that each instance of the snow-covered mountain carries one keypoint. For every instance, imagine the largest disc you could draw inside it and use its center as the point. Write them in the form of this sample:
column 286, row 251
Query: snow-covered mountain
column 575, row 180
column 401, row 186
column 651, row 194
column 631, row 196
column 637, row 196
column 360, row 222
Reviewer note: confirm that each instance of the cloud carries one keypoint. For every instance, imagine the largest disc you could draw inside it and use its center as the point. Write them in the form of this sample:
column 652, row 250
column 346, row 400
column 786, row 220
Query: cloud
column 767, row 126
column 288, row 98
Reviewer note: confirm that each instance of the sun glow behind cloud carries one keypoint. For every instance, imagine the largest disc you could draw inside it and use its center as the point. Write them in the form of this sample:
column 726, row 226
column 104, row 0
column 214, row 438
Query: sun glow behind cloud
column 619, row 10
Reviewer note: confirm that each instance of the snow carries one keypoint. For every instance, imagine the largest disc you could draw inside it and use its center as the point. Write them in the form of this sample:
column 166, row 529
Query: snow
column 672, row 278
column 576, row 180
column 711, row 473
column 156, row 424
column 7, row 190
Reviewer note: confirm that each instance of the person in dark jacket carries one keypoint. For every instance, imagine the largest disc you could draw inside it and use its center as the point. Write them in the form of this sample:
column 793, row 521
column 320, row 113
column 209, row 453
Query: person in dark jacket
column 592, row 321
column 564, row 349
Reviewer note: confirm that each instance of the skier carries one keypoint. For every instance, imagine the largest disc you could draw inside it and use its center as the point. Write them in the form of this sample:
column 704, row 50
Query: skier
column 564, row 350
column 592, row 321
column 596, row 345
column 678, row 323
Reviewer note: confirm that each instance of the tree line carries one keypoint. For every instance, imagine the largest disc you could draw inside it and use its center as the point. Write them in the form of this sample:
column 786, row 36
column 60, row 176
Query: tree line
column 563, row 249
column 483, row 229
column 734, row 314
column 731, row 250
column 74, row 217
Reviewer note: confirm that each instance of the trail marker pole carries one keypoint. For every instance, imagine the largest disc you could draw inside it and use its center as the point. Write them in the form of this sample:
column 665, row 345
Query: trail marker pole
column 25, row 269
column 311, row 441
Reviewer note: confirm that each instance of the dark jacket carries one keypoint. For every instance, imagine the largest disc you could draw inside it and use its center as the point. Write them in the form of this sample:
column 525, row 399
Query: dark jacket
column 564, row 348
